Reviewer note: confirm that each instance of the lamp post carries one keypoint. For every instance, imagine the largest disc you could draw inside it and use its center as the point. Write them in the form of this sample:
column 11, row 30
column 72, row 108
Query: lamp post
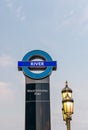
column 67, row 105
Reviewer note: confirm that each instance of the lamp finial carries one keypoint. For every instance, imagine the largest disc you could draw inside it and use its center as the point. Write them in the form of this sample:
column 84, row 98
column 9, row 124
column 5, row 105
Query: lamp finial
column 66, row 83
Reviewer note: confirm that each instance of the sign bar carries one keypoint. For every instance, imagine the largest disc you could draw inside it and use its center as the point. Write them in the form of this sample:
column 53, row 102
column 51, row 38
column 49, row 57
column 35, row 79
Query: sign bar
column 37, row 64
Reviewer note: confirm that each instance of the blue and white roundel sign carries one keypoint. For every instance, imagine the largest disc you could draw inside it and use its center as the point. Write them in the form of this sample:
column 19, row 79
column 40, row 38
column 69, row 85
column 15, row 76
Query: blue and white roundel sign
column 28, row 63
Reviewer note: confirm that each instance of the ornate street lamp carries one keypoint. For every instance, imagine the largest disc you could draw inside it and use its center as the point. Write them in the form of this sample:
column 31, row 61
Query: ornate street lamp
column 68, row 105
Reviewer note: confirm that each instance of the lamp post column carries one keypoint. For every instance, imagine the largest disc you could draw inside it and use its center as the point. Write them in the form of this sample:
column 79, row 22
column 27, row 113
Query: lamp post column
column 68, row 123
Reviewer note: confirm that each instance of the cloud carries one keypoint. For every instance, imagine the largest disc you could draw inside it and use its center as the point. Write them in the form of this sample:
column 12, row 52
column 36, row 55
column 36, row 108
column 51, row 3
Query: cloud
column 67, row 20
column 83, row 20
column 6, row 93
column 69, row 14
column 4, row 88
column 9, row 4
column 84, row 15
column 77, row 18
column 20, row 14
column 17, row 9
column 6, row 60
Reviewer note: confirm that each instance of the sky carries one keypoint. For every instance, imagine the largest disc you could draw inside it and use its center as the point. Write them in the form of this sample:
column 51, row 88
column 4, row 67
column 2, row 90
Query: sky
column 59, row 27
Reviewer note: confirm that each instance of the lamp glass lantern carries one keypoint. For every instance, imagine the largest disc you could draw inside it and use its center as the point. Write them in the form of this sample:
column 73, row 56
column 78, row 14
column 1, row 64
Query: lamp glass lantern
column 64, row 115
column 68, row 105
column 66, row 91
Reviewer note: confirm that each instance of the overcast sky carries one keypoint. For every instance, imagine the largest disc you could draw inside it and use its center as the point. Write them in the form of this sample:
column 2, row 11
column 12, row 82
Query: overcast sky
column 59, row 27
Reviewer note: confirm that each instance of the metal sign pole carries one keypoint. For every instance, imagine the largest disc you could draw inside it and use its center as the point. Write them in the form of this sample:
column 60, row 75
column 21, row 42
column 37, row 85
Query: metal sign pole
column 37, row 104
